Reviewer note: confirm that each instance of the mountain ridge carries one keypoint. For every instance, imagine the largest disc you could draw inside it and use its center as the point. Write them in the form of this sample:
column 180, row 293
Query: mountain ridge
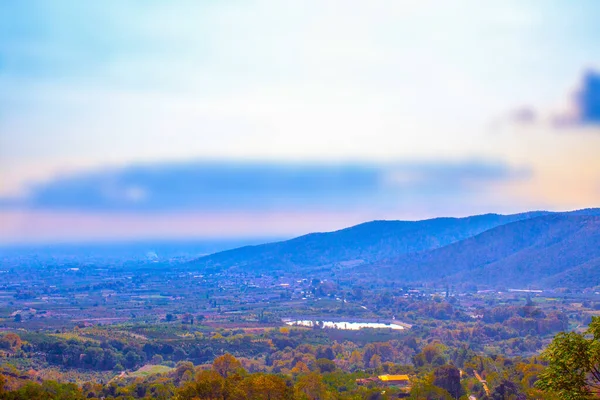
column 368, row 241
column 387, row 248
column 537, row 251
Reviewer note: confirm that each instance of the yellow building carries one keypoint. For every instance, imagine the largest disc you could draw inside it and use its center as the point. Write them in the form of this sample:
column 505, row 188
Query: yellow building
column 394, row 380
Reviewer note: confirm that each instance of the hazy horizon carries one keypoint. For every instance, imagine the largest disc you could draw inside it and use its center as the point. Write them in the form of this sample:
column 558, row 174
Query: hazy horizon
column 217, row 242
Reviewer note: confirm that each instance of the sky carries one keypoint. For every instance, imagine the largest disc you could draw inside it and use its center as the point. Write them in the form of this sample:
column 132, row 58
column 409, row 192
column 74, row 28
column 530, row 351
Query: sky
column 124, row 120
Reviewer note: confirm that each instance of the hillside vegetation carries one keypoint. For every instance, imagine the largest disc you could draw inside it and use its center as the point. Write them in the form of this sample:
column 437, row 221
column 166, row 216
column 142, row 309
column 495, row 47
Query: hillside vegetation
column 371, row 241
column 542, row 249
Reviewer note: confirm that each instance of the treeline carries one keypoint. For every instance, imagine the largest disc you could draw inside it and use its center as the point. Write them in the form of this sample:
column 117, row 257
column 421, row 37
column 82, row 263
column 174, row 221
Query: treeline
column 226, row 379
column 105, row 354
column 442, row 360
column 527, row 319
column 275, row 350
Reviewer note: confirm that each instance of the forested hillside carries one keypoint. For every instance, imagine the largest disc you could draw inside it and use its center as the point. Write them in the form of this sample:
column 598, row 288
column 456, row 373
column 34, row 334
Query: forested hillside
column 366, row 242
column 542, row 251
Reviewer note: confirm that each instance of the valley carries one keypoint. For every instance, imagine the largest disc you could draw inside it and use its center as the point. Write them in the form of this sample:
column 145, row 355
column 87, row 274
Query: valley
column 495, row 285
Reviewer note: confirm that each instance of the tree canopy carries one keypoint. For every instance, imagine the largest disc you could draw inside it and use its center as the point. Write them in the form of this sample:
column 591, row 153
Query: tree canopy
column 573, row 371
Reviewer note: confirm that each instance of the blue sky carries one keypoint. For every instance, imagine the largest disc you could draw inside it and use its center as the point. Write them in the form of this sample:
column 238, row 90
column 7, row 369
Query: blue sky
column 127, row 118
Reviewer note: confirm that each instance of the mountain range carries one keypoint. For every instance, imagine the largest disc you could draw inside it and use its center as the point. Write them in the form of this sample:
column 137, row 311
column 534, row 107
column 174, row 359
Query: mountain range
column 540, row 248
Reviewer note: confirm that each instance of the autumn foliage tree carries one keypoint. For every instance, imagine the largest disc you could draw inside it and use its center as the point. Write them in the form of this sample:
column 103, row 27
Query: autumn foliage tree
column 265, row 387
column 226, row 364
column 10, row 341
column 311, row 387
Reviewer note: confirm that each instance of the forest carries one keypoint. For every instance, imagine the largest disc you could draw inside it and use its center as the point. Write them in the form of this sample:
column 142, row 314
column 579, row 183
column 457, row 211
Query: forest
column 153, row 362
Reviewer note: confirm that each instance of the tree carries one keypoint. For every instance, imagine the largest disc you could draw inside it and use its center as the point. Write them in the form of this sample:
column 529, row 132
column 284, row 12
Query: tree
column 375, row 361
column 356, row 359
column 573, row 371
column 325, row 352
column 48, row 390
column 425, row 389
column 431, row 354
column 264, row 386
column 448, row 377
column 179, row 354
column 311, row 387
column 162, row 391
column 507, row 390
column 300, row 368
column 208, row 385
column 10, row 341
column 132, row 359
column 157, row 359
column 326, row 365
column 226, row 364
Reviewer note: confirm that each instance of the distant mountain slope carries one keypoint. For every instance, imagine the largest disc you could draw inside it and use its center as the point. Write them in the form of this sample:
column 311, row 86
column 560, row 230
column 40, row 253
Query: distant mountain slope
column 366, row 242
column 584, row 275
column 546, row 250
